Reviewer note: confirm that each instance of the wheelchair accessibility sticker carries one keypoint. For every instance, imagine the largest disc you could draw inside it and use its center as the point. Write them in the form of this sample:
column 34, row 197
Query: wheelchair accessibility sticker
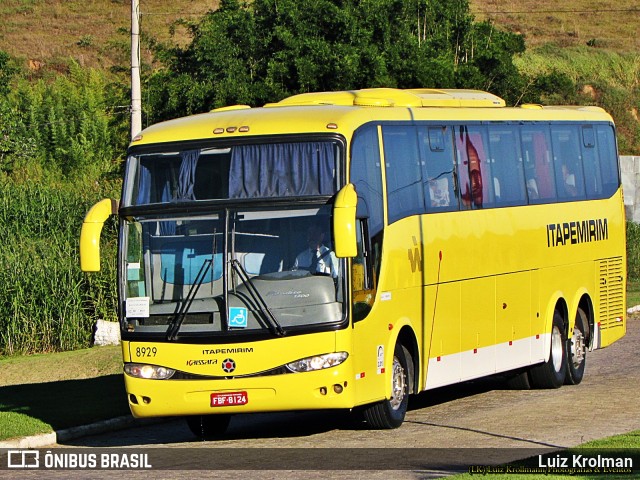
column 238, row 317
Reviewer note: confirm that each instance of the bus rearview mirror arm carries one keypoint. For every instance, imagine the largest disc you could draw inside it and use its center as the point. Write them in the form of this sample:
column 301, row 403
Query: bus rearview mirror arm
column 90, row 233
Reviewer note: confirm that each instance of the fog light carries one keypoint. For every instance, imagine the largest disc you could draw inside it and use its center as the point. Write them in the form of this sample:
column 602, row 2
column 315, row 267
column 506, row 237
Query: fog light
column 337, row 388
column 323, row 390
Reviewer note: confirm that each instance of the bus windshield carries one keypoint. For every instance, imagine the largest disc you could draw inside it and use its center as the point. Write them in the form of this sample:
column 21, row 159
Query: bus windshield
column 248, row 171
column 231, row 272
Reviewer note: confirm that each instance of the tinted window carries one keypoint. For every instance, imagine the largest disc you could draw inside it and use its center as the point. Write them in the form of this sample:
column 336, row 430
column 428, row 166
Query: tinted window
column 367, row 178
column 403, row 172
column 608, row 157
column 437, row 152
column 506, row 166
column 475, row 181
column 537, row 161
column 567, row 161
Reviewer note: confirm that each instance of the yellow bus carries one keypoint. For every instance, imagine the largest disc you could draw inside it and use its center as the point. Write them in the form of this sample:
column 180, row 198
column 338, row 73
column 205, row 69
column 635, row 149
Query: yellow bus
column 344, row 250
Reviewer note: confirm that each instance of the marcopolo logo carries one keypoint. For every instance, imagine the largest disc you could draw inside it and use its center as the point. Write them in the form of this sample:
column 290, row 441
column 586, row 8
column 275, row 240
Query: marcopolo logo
column 228, row 365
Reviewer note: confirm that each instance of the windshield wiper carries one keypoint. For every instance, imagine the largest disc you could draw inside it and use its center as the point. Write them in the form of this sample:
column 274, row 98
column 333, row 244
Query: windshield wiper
column 270, row 318
column 181, row 314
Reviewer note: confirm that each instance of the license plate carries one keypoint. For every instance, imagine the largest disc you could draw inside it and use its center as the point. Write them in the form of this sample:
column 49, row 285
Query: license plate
column 229, row 399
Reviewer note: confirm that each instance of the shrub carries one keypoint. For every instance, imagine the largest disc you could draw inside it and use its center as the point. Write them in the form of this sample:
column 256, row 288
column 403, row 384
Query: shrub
column 46, row 302
column 633, row 251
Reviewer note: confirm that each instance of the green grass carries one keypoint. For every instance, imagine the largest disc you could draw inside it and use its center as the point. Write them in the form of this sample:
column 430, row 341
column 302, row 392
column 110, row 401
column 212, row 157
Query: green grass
column 628, row 440
column 43, row 393
column 39, row 408
column 619, row 446
column 633, row 293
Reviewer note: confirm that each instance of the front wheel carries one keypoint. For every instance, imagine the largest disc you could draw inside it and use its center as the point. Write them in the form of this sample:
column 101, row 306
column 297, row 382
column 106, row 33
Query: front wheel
column 552, row 373
column 390, row 413
column 577, row 350
column 206, row 427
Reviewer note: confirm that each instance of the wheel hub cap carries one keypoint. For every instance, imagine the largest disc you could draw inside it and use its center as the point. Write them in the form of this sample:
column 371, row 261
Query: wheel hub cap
column 398, row 384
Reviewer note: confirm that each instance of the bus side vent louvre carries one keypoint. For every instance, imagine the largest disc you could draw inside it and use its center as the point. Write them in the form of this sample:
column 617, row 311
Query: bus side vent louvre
column 611, row 292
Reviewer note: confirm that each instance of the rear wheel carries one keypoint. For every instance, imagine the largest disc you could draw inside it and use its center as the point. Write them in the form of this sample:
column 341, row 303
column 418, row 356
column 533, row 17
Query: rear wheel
column 577, row 350
column 552, row 373
column 519, row 381
column 390, row 413
column 206, row 427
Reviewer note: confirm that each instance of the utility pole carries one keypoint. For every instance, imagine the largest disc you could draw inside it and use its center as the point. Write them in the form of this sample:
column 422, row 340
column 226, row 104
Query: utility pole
column 136, row 97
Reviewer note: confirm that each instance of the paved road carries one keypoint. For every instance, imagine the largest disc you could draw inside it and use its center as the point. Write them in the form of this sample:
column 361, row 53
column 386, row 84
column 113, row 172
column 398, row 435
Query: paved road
column 475, row 415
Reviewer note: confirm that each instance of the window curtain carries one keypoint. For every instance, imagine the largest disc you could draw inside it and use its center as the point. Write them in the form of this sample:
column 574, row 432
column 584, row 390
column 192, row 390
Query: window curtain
column 187, row 178
column 282, row 170
column 144, row 185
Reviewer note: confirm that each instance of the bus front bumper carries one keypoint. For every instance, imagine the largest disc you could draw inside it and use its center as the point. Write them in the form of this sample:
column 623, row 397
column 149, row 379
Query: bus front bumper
column 331, row 388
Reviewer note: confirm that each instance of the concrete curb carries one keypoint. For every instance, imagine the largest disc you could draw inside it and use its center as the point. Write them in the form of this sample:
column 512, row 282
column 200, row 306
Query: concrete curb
column 45, row 439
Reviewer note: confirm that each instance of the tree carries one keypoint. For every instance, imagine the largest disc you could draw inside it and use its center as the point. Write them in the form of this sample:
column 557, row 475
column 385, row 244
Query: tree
column 258, row 52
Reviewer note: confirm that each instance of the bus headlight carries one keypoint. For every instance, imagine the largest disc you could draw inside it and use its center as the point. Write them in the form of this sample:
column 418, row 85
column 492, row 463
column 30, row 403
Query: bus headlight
column 152, row 372
column 318, row 362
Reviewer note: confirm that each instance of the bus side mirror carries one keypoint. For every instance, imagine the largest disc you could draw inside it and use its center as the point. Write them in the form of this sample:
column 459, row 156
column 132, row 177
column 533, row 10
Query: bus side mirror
column 90, row 234
column 344, row 222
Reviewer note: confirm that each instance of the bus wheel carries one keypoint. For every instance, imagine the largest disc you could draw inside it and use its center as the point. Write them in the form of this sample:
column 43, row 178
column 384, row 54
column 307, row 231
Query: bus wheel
column 390, row 413
column 552, row 373
column 519, row 381
column 577, row 350
column 206, row 427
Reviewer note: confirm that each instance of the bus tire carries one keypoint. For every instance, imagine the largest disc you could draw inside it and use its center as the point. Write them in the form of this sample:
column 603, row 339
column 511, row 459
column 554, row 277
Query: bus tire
column 552, row 373
column 206, row 427
column 390, row 413
column 519, row 381
column 577, row 350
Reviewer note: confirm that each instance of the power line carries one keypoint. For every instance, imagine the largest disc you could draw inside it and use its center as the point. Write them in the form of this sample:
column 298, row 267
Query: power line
column 600, row 10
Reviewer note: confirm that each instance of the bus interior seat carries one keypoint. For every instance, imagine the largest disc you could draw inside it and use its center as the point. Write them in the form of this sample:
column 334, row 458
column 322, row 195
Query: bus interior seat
column 440, row 192
column 496, row 188
column 532, row 189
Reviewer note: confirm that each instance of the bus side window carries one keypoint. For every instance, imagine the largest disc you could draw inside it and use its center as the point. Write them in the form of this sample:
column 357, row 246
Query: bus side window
column 568, row 162
column 366, row 176
column 606, row 145
column 438, row 166
column 591, row 163
column 536, row 151
column 507, row 167
column 403, row 172
column 475, row 183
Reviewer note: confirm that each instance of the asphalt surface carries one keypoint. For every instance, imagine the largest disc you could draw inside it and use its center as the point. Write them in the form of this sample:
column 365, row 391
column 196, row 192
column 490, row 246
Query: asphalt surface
column 479, row 422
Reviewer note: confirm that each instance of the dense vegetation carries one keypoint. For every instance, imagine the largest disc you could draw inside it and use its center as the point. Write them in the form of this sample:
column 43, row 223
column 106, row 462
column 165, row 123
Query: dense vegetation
column 58, row 156
column 62, row 139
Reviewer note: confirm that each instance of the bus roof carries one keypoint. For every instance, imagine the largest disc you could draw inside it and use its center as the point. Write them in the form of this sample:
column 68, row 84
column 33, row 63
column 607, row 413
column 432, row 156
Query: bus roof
column 391, row 97
column 344, row 111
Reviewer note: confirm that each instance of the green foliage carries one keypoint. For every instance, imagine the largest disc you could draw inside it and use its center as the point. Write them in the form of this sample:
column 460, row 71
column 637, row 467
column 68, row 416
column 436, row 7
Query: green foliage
column 46, row 302
column 258, row 52
column 58, row 156
column 61, row 125
column 7, row 71
column 585, row 76
column 85, row 41
column 633, row 251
